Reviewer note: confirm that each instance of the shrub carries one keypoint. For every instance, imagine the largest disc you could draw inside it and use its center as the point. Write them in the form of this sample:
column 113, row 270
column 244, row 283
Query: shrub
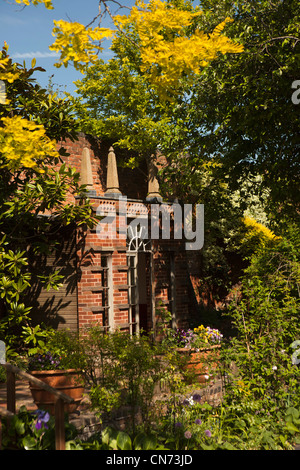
column 266, row 318
column 123, row 371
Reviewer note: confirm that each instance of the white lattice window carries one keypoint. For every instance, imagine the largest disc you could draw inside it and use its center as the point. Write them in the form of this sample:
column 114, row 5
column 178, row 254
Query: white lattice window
column 137, row 237
column 133, row 292
column 106, row 290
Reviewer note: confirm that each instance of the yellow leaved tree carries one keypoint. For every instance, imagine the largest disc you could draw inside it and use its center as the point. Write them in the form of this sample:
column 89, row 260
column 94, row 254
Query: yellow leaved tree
column 47, row 3
column 171, row 45
column 76, row 43
column 24, row 143
column 8, row 71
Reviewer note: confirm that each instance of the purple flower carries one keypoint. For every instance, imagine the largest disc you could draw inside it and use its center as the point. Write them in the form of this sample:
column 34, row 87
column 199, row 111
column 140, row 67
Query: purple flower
column 198, row 421
column 42, row 418
column 187, row 434
column 197, row 397
column 208, row 433
column 43, row 362
column 178, row 425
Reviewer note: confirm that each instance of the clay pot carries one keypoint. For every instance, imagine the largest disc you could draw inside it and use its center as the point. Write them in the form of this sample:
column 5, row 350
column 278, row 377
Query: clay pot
column 68, row 381
column 199, row 364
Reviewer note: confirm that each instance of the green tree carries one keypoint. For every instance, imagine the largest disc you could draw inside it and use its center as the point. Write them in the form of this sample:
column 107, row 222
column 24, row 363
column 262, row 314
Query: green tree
column 243, row 105
column 34, row 183
column 238, row 111
column 265, row 314
column 138, row 102
column 118, row 102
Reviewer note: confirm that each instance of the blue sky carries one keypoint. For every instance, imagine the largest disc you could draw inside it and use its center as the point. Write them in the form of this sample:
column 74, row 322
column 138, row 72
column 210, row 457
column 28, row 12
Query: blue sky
column 28, row 32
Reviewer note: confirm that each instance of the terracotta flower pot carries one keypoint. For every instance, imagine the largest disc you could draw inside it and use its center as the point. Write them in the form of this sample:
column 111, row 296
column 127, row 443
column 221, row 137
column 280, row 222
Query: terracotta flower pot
column 200, row 363
column 67, row 381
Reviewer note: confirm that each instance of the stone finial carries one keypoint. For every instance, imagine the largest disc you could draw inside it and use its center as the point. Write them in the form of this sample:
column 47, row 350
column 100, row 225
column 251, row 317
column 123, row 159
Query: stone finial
column 86, row 174
column 112, row 179
column 153, row 184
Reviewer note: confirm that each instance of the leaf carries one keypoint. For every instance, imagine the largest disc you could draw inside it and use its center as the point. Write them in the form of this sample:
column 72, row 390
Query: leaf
column 227, row 446
column 291, row 411
column 73, row 445
column 144, row 442
column 150, row 443
column 39, row 188
column 29, row 442
column 206, row 447
column 292, row 428
column 109, row 436
column 284, row 441
column 19, row 426
column 124, row 441
column 62, row 168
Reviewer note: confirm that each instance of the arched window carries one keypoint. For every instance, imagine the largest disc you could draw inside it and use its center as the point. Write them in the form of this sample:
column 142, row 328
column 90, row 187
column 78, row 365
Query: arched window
column 137, row 238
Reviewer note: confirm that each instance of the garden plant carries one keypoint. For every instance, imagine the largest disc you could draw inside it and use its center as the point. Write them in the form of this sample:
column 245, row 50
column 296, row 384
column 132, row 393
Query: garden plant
column 223, row 116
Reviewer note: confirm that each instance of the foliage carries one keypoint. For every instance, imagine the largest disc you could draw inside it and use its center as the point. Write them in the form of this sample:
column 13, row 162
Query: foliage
column 251, row 237
column 239, row 426
column 135, row 98
column 265, row 315
column 171, row 46
column 47, row 3
column 234, row 112
column 32, row 431
column 25, row 98
column 14, row 280
column 112, row 439
column 34, row 185
column 115, row 102
column 197, row 426
column 24, row 143
column 239, row 106
column 48, row 349
column 75, row 43
column 123, row 371
column 44, row 362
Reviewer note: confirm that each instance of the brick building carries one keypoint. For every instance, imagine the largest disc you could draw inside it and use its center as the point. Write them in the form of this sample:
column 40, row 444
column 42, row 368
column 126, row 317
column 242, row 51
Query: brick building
column 116, row 274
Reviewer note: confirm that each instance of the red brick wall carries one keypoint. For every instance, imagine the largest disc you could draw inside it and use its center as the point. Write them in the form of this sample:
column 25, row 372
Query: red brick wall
column 98, row 160
column 91, row 250
column 133, row 183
